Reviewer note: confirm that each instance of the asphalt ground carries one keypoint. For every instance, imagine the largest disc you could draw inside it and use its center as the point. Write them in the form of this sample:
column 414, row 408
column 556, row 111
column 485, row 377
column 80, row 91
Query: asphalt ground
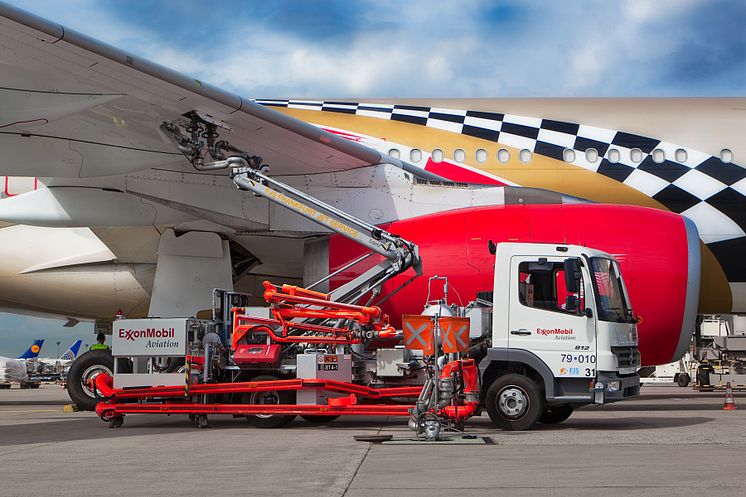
column 670, row 441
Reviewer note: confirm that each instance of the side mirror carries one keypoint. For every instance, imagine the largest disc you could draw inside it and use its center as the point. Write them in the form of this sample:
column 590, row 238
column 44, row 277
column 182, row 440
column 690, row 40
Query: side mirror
column 572, row 275
column 572, row 303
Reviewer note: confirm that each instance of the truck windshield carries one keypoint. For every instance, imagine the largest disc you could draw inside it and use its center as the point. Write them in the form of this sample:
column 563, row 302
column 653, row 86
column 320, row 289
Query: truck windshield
column 610, row 298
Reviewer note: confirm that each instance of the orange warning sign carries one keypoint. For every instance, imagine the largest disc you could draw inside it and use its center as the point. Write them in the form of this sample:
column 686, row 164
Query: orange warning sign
column 454, row 334
column 418, row 333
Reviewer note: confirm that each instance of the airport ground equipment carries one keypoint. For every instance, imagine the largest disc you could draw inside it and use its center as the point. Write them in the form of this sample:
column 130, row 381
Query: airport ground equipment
column 673, row 373
column 719, row 353
column 554, row 332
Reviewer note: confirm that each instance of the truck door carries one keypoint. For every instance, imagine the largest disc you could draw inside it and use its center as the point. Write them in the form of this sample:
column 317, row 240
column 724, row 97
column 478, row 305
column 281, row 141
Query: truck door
column 548, row 319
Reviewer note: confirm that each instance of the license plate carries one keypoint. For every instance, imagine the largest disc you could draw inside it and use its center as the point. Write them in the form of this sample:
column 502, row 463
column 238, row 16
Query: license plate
column 328, row 367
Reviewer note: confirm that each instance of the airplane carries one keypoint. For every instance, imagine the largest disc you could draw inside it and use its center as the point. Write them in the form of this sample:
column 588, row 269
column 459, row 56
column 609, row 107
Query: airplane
column 33, row 351
column 125, row 212
column 65, row 359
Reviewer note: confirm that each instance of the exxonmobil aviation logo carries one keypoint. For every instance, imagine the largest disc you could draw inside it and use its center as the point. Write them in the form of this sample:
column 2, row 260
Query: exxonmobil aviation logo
column 149, row 337
column 557, row 333
column 133, row 334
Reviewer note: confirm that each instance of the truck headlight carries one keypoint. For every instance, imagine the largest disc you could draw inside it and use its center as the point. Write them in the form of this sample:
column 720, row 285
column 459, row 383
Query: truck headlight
column 612, row 386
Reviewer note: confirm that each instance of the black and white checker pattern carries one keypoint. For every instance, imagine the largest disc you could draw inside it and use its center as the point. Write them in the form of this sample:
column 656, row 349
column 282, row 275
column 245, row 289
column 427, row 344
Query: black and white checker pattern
column 710, row 192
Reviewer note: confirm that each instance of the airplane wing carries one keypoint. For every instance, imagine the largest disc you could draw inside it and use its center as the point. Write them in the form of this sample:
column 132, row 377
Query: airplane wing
column 73, row 107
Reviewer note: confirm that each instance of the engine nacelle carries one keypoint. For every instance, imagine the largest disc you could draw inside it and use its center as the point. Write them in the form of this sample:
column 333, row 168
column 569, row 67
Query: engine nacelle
column 658, row 251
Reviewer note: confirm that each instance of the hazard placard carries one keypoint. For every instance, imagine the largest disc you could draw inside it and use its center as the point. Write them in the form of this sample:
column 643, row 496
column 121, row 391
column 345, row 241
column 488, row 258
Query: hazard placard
column 418, row 333
column 454, row 334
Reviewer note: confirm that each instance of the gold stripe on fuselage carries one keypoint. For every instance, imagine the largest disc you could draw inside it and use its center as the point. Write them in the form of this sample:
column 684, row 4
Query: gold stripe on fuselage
column 539, row 172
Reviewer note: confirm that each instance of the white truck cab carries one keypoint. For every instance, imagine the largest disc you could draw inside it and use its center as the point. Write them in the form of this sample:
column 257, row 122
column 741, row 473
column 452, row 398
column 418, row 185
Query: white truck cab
column 563, row 334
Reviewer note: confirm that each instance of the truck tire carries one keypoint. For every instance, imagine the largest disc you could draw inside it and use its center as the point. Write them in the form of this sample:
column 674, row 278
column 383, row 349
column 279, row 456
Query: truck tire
column 270, row 397
column 554, row 415
column 514, row 402
column 87, row 366
column 683, row 380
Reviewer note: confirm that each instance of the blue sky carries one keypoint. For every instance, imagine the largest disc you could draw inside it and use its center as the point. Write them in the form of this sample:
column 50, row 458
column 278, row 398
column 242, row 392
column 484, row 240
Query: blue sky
column 430, row 48
column 415, row 48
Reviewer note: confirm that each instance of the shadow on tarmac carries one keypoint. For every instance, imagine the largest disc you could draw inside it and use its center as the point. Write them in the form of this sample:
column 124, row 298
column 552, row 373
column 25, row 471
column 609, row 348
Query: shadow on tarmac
column 142, row 425
column 33, row 402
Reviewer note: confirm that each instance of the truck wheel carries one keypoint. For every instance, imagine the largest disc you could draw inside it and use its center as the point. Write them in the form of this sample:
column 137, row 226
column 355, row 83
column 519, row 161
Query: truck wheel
column 270, row 397
column 554, row 415
column 319, row 418
column 683, row 380
column 514, row 402
column 83, row 369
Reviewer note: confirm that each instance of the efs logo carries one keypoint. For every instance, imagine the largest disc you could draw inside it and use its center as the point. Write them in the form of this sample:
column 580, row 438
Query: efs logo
column 569, row 371
column 131, row 335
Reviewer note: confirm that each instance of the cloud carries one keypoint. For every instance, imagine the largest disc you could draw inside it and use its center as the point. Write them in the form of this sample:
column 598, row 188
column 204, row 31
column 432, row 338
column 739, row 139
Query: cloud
column 423, row 48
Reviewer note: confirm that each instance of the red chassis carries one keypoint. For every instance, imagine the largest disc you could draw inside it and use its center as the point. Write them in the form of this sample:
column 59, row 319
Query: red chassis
column 358, row 402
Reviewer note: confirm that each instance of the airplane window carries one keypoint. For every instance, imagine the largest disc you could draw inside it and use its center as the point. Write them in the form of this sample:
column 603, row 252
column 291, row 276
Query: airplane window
column 394, row 152
column 437, row 155
column 659, row 156
column 503, row 155
column 568, row 155
column 481, row 155
column 613, row 155
column 591, row 155
column 681, row 155
column 726, row 155
column 459, row 155
column 525, row 155
column 415, row 155
column 635, row 155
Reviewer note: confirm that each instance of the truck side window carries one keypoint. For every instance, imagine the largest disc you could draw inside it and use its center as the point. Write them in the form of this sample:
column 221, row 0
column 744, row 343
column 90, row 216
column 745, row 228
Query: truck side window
column 541, row 284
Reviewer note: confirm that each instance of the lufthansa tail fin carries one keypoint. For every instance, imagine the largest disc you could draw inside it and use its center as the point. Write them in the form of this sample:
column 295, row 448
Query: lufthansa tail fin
column 33, row 351
column 71, row 353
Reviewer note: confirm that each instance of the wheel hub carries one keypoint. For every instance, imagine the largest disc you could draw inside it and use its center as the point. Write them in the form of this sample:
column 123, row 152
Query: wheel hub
column 271, row 397
column 512, row 402
column 90, row 374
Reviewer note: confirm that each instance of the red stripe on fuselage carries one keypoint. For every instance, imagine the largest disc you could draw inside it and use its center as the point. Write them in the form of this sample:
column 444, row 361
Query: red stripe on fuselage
column 459, row 174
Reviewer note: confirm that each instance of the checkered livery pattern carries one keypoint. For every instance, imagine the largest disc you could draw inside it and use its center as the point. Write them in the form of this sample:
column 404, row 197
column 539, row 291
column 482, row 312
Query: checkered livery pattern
column 702, row 187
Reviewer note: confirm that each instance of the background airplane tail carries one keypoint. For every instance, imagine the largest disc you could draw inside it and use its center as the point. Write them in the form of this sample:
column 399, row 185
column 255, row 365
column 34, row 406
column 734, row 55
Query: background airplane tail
column 33, row 351
column 71, row 353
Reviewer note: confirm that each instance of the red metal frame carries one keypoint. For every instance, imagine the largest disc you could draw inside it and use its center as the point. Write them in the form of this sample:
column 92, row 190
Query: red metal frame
column 357, row 402
column 290, row 302
column 287, row 303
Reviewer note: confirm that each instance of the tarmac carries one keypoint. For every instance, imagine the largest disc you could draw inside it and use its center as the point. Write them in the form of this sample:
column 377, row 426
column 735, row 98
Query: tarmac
column 670, row 441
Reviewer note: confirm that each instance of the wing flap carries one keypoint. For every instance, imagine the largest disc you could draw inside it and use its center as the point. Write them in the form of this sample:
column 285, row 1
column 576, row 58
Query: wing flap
column 289, row 145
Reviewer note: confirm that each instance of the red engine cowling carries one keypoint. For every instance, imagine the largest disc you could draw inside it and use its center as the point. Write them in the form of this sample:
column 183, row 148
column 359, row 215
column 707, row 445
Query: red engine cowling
column 658, row 252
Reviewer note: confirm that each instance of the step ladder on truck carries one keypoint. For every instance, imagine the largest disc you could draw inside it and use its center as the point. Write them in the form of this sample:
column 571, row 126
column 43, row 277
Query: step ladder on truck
column 555, row 332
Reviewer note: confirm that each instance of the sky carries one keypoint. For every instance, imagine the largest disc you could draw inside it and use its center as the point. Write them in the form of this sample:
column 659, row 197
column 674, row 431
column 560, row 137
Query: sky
column 387, row 48
column 414, row 48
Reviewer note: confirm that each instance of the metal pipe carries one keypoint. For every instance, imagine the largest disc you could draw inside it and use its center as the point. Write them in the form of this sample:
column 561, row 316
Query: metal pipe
column 256, row 186
column 175, row 136
column 374, row 231
column 235, row 161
